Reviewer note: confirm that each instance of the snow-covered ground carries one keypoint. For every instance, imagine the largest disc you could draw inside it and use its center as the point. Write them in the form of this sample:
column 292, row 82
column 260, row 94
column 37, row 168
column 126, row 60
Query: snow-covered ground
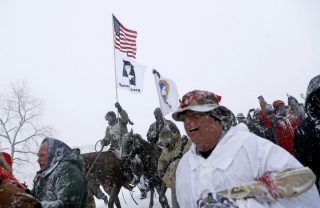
column 127, row 201
column 27, row 171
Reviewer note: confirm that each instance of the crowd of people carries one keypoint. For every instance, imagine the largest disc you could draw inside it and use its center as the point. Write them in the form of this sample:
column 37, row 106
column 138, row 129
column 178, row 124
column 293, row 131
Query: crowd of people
column 268, row 158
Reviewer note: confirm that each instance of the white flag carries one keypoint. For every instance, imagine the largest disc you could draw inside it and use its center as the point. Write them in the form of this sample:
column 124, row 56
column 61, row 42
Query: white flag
column 168, row 94
column 130, row 74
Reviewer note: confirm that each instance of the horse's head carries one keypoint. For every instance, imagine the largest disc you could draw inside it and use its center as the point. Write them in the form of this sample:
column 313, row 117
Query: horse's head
column 130, row 145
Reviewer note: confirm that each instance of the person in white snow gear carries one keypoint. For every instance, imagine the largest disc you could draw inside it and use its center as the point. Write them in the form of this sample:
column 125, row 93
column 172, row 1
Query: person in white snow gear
column 227, row 165
column 61, row 181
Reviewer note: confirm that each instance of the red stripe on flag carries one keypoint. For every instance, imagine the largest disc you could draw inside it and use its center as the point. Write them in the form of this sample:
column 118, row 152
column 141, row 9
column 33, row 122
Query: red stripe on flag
column 124, row 39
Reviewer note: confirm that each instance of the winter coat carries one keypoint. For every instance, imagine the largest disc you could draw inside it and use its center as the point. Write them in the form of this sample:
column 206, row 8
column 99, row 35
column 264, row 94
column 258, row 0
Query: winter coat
column 284, row 128
column 13, row 197
column 63, row 183
column 296, row 108
column 156, row 127
column 114, row 133
column 307, row 135
column 169, row 159
column 6, row 172
column 238, row 158
column 6, row 175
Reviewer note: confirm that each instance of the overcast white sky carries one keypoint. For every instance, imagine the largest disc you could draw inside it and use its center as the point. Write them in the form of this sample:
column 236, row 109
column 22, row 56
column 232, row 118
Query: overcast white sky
column 238, row 49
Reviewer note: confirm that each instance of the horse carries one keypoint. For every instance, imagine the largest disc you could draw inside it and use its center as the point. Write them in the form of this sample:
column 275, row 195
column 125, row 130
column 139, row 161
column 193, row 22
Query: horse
column 109, row 171
column 133, row 145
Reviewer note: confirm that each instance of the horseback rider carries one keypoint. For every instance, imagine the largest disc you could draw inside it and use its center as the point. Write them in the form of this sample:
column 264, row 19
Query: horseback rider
column 156, row 127
column 116, row 128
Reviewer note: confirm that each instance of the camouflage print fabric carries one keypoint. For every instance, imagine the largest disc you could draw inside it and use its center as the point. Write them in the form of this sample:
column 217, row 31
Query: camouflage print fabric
column 167, row 166
column 156, row 127
column 63, row 183
column 168, row 163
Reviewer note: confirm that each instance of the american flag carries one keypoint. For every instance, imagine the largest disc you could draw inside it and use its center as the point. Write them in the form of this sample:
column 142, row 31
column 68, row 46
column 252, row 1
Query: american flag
column 124, row 39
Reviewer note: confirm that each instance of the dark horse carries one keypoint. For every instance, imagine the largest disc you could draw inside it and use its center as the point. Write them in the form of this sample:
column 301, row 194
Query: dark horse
column 132, row 145
column 109, row 171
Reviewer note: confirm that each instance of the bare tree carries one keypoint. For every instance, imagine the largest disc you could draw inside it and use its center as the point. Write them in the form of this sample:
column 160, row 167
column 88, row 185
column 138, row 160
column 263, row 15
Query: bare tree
column 20, row 125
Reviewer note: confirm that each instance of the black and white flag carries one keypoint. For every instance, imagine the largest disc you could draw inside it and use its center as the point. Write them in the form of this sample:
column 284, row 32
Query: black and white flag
column 130, row 74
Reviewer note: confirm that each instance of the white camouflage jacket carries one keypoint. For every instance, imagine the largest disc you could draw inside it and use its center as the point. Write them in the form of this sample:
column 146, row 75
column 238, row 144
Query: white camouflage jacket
column 239, row 157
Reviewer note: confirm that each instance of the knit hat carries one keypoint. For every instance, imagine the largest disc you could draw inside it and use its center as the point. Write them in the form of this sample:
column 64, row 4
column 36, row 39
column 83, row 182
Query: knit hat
column 201, row 101
column 276, row 103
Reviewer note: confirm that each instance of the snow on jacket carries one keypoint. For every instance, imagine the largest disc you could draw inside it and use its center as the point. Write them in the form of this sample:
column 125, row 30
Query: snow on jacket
column 156, row 127
column 63, row 183
column 5, row 175
column 307, row 135
column 114, row 133
column 238, row 158
column 169, row 167
column 6, row 171
column 284, row 128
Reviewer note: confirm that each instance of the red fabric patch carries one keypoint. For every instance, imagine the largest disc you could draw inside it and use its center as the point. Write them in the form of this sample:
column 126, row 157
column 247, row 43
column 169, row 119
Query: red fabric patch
column 199, row 97
column 268, row 181
column 8, row 158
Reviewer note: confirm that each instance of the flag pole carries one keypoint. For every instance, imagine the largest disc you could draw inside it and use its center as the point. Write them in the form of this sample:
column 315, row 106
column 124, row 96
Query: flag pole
column 114, row 62
column 156, row 73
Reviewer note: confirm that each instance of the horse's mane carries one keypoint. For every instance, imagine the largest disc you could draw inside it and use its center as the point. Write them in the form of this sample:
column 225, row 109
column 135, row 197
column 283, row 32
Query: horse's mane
column 139, row 137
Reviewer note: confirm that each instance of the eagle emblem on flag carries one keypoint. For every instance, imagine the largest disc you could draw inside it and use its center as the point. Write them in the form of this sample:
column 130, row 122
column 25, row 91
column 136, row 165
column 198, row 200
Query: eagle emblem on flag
column 164, row 90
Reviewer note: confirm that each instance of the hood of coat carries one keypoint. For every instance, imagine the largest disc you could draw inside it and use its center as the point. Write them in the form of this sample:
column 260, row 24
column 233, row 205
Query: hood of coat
column 312, row 105
column 59, row 152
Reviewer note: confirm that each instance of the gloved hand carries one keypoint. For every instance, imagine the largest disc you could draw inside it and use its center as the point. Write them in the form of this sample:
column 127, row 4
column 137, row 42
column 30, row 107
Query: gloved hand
column 184, row 139
column 288, row 183
column 271, row 186
column 118, row 106
column 104, row 142
column 156, row 72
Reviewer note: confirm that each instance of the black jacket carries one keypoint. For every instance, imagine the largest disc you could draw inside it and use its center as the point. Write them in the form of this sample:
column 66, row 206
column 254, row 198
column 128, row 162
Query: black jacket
column 307, row 146
column 307, row 134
